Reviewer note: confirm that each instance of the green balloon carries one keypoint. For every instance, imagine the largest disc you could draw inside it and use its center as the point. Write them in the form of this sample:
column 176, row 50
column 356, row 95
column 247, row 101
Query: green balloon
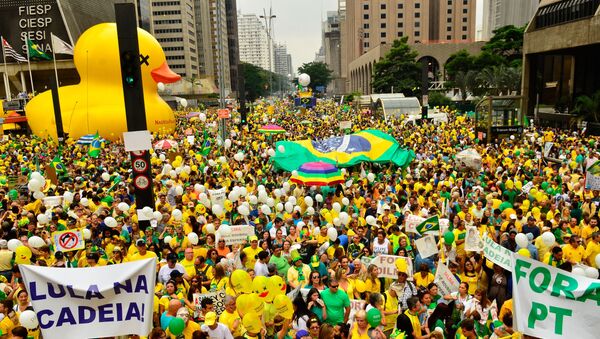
column 550, row 191
column 13, row 194
column 176, row 326
column 518, row 153
column 374, row 317
column 545, row 185
column 448, row 238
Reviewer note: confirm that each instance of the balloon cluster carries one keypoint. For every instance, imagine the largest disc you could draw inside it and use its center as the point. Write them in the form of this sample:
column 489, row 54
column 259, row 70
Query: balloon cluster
column 36, row 184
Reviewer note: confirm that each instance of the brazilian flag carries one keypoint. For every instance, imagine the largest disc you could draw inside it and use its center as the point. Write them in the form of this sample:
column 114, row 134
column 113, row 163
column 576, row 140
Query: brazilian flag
column 35, row 52
column 343, row 151
column 95, row 147
column 430, row 224
column 58, row 166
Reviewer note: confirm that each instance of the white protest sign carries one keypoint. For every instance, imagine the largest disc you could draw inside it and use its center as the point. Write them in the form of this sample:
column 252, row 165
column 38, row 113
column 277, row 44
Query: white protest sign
column 426, row 246
column 387, row 266
column 191, row 139
column 552, row 303
column 445, row 280
column 473, row 241
column 92, row 302
column 238, row 235
column 497, row 254
column 547, row 147
column 444, row 225
column 70, row 240
column 527, row 187
column 355, row 306
column 53, row 201
column 218, row 299
column 592, row 174
column 411, row 223
column 217, row 197
column 345, row 125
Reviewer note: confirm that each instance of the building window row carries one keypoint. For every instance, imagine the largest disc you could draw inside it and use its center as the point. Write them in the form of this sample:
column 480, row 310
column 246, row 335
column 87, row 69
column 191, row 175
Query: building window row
column 170, row 49
column 167, row 22
column 165, row 3
column 170, row 39
column 175, row 57
column 177, row 66
column 168, row 30
column 166, row 12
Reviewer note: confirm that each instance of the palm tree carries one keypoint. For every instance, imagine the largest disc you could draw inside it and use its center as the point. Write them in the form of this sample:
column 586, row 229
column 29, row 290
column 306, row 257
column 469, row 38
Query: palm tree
column 488, row 80
column 499, row 80
column 466, row 82
column 588, row 107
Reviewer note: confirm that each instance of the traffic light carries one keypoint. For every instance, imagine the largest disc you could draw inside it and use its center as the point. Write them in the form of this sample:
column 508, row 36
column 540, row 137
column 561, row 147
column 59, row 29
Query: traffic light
column 130, row 62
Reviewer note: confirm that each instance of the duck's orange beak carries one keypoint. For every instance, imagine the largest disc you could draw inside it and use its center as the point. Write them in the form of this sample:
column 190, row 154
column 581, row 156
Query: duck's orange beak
column 164, row 74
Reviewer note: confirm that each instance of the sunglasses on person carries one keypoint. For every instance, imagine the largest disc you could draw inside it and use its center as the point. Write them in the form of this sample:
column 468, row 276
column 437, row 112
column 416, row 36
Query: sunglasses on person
column 334, row 286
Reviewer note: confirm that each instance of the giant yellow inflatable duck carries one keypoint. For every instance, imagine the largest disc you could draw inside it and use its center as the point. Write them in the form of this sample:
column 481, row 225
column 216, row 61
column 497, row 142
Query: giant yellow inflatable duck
column 97, row 104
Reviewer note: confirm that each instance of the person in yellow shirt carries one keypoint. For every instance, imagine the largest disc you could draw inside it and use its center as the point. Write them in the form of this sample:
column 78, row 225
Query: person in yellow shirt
column 593, row 249
column 587, row 230
column 251, row 252
column 573, row 251
column 10, row 317
column 188, row 262
column 298, row 274
column 423, row 278
column 231, row 318
column 143, row 252
column 190, row 325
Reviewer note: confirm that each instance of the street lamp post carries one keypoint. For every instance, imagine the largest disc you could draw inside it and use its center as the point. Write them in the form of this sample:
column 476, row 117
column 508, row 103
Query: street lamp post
column 268, row 25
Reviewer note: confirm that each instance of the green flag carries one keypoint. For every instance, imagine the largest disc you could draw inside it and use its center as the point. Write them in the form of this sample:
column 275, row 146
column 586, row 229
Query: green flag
column 430, row 224
column 35, row 52
column 95, row 147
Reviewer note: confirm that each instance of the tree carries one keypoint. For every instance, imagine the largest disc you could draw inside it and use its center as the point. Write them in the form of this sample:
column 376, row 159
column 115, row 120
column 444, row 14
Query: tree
column 588, row 107
column 397, row 69
column 319, row 72
column 500, row 80
column 466, row 82
column 437, row 99
column 255, row 80
column 507, row 42
column 460, row 61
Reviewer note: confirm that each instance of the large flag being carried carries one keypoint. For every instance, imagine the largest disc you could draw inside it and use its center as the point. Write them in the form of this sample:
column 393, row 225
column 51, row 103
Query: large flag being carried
column 10, row 52
column 95, row 147
column 35, row 52
column 429, row 225
column 343, row 151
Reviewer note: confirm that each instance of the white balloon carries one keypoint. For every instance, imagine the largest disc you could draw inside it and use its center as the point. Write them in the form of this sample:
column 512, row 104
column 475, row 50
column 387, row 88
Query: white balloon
column 308, row 201
column 277, row 193
column 202, row 197
column 123, row 207
column 332, row 233
column 345, row 201
column 521, row 240
column 68, row 197
column 293, row 200
column 238, row 174
column 177, row 214
column 178, row 190
column 370, row 220
column 578, row 271
column 597, row 260
column 202, row 117
column 233, row 196
column 193, row 238
column 262, row 196
column 270, row 202
column 239, row 156
column 280, row 207
column 160, row 86
column 34, row 185
column 344, row 218
column 281, row 149
column 38, row 195
column 167, row 239
column 212, row 163
column 84, row 202
column 13, row 244
column 197, row 188
column 271, row 152
column 337, row 221
column 225, row 229
column 243, row 191
column 243, row 210
column 304, row 79
column 105, row 176
column 29, row 320
column 265, row 209
column 548, row 238
column 371, row 177
column 162, row 157
column 187, row 169
column 336, row 207
column 227, row 143
column 210, row 228
column 343, row 170
column 591, row 272
column 297, row 209
column 319, row 198
column 310, row 211
column 87, row 234
column 173, row 174
column 253, row 200
column 294, row 173
column 183, row 102
column 110, row 222
column 42, row 219
column 289, row 207
column 36, row 242
column 36, row 174
column 286, row 186
column 156, row 215
column 217, row 210
column 178, row 170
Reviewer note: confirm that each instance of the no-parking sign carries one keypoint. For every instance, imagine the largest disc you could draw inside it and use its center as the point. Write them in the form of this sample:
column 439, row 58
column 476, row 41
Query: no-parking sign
column 66, row 241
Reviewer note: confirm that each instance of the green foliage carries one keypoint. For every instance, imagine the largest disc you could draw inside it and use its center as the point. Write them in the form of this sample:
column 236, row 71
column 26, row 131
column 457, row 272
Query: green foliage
column 439, row 99
column 507, row 42
column 588, row 107
column 254, row 81
column 501, row 79
column 466, row 82
column 397, row 69
column 320, row 74
column 351, row 96
column 460, row 61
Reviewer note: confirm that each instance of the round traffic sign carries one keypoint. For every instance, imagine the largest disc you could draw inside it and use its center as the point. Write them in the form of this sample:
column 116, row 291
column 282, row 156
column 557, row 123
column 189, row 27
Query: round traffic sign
column 68, row 240
column 140, row 165
column 138, row 153
column 141, row 182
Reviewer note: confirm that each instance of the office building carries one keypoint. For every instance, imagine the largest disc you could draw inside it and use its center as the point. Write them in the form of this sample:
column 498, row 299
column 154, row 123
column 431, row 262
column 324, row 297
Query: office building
column 232, row 45
column 283, row 60
column 500, row 13
column 254, row 42
column 174, row 26
column 332, row 51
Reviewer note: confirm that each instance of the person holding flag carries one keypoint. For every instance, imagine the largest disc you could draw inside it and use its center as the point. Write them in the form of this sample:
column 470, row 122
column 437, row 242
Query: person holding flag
column 95, row 147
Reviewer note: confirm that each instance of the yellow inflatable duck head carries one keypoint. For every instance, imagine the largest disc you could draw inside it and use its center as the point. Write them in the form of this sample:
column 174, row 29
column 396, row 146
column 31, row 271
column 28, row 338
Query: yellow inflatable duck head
column 97, row 103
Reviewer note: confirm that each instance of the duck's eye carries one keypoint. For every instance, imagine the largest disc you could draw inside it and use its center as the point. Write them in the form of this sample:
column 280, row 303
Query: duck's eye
column 144, row 59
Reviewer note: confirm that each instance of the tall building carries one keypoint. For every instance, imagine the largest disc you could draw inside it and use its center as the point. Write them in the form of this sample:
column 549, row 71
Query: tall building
column 368, row 24
column 500, row 13
column 232, row 44
column 220, row 43
column 144, row 14
column 254, row 42
column 283, row 60
column 175, row 29
column 332, row 51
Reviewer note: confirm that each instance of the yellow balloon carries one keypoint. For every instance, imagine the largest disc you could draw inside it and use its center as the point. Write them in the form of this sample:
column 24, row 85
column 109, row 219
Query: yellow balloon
column 252, row 323
column 524, row 252
column 401, row 265
column 518, row 185
column 241, row 282
column 228, row 205
column 23, row 255
column 510, row 184
column 257, row 304
column 85, row 105
column 283, row 306
column 243, row 303
column 360, row 285
column 259, row 286
column 276, row 286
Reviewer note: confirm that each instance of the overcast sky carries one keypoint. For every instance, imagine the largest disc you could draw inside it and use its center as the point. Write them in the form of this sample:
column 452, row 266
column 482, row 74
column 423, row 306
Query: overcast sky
column 298, row 24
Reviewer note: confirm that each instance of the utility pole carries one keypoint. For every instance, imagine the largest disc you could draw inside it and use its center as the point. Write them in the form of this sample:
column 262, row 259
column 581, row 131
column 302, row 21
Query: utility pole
column 269, row 27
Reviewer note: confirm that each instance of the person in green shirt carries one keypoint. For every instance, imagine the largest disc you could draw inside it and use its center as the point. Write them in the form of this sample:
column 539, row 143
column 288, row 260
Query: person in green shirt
column 279, row 261
column 337, row 303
